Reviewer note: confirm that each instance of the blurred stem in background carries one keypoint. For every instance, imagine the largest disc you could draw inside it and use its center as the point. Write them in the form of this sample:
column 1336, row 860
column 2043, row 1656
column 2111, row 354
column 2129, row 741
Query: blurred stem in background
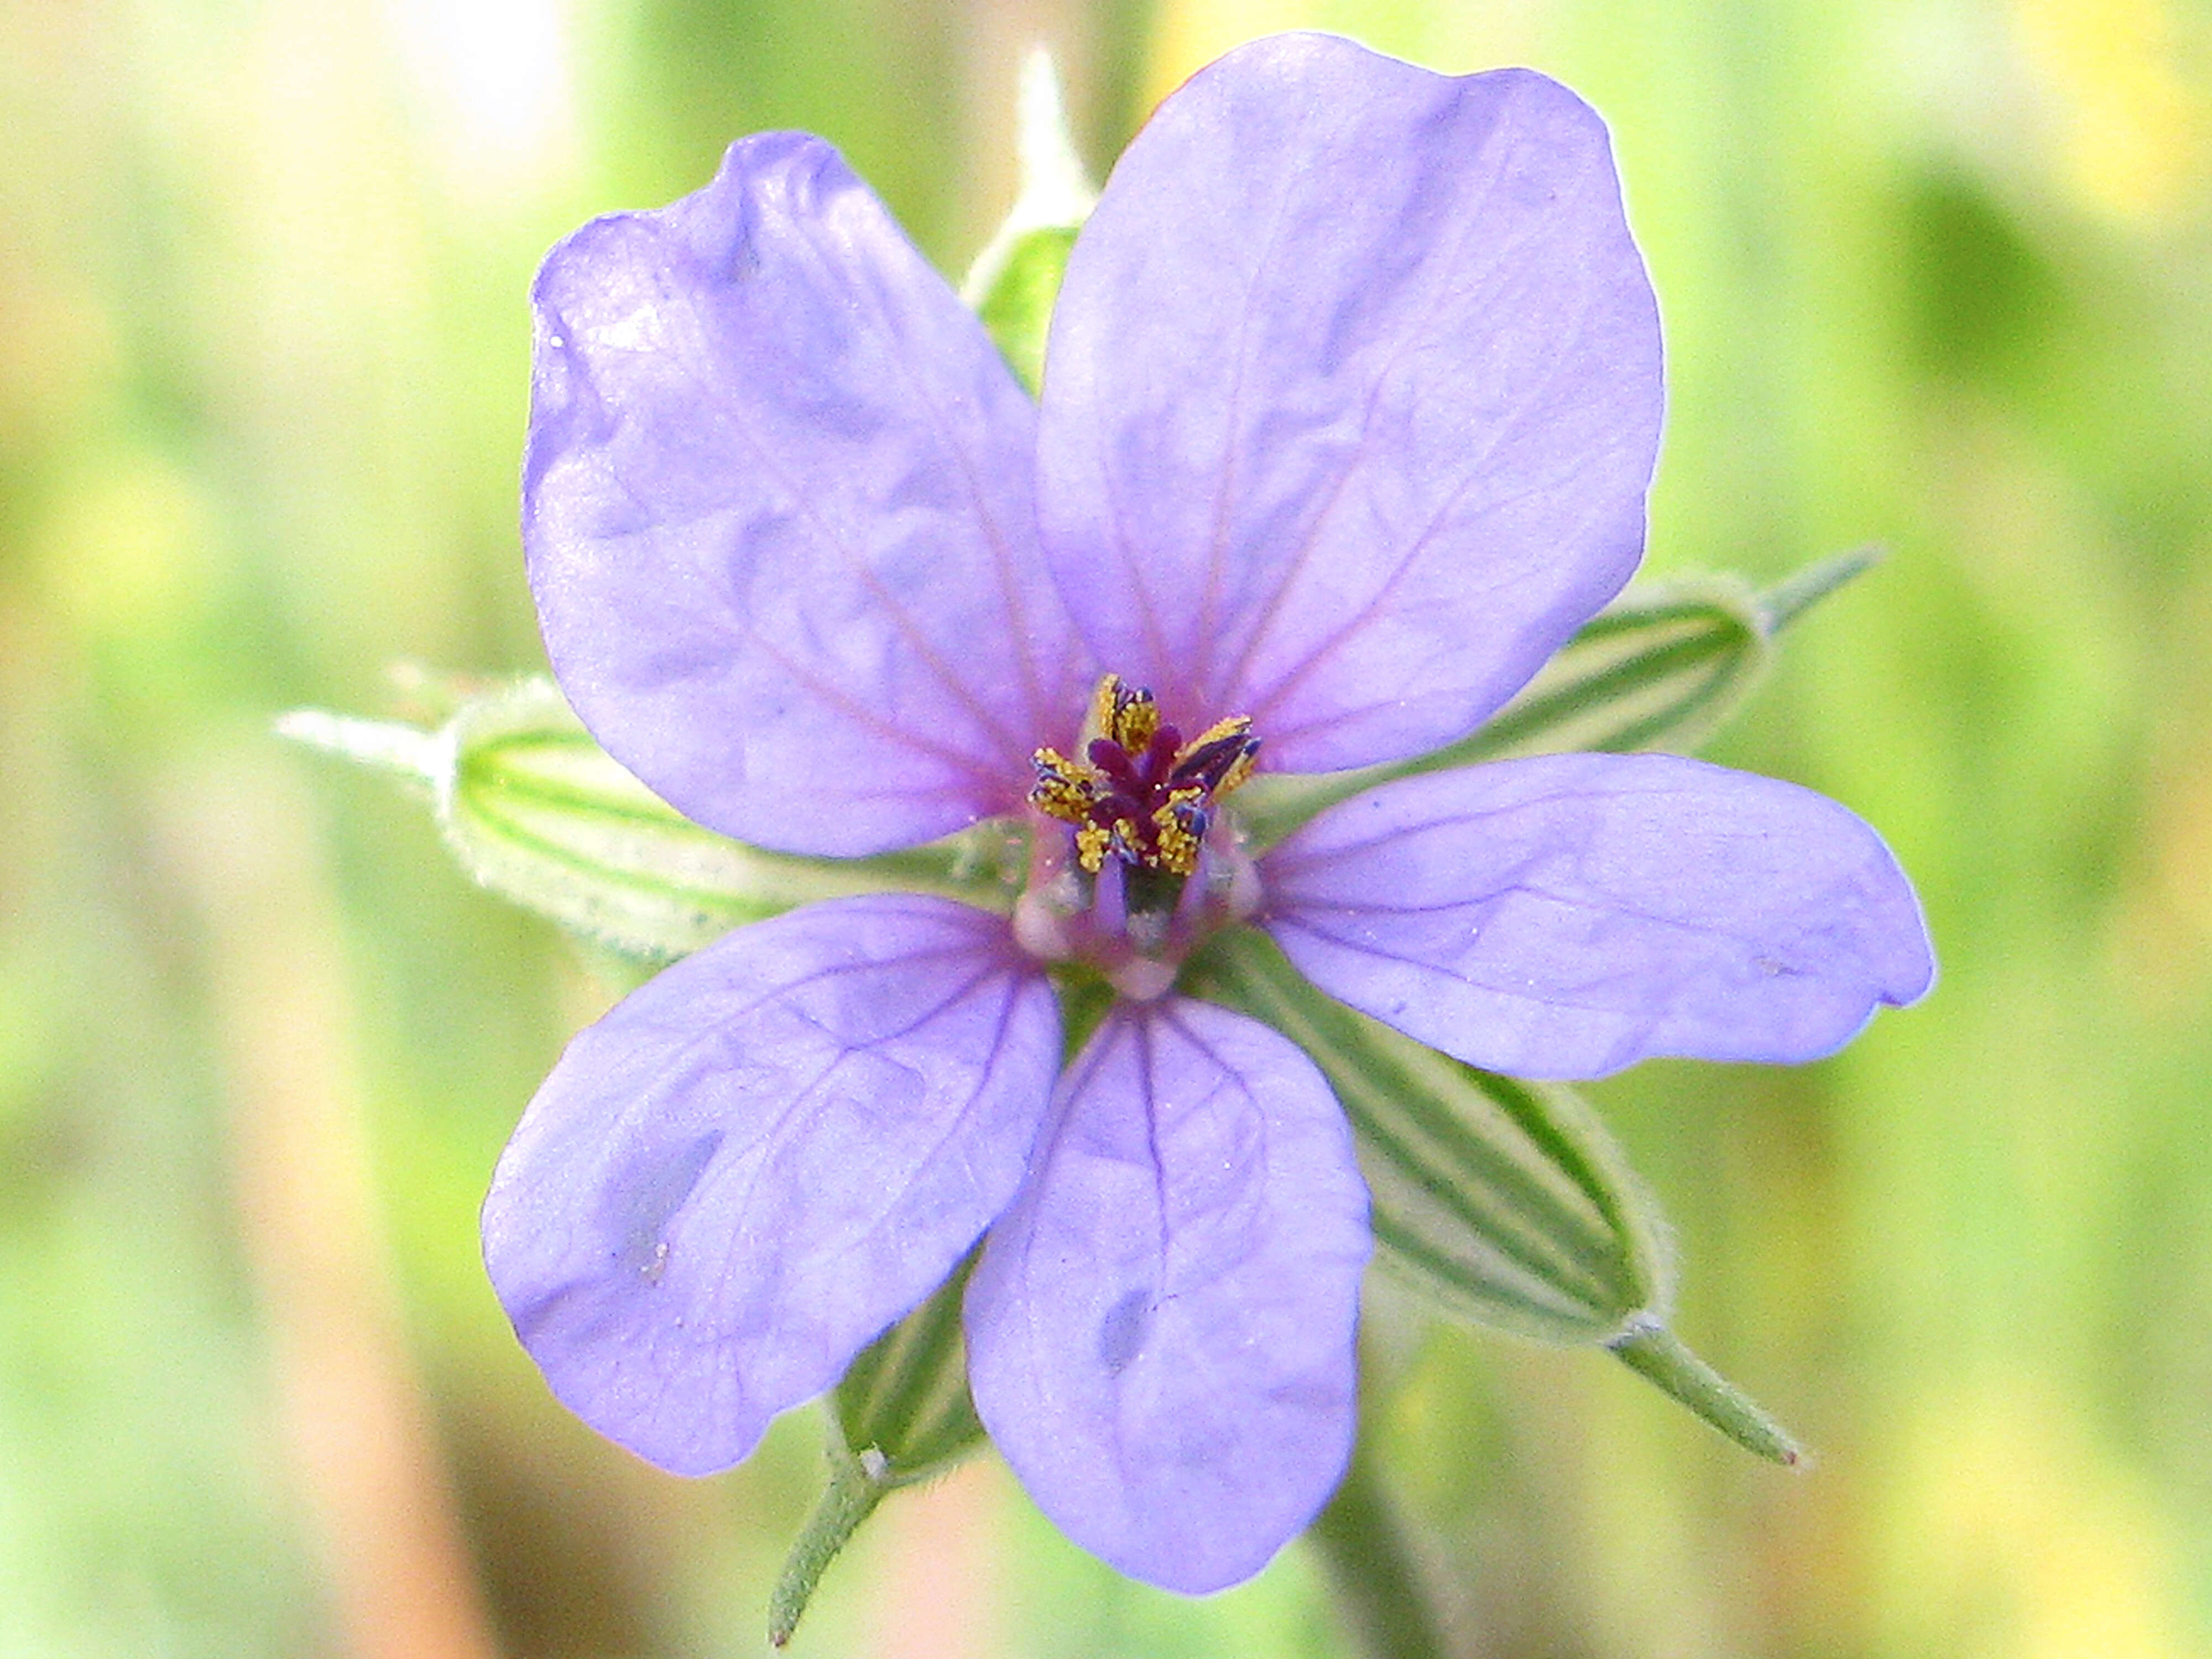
column 1374, row 1569
column 357, row 1429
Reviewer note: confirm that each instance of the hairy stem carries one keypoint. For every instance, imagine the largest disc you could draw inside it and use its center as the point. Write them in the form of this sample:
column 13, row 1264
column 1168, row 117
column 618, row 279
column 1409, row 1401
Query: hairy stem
column 851, row 1498
column 1650, row 1348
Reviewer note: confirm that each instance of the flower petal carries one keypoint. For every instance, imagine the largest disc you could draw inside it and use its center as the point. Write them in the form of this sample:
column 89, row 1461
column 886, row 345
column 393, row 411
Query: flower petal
column 777, row 510
column 1161, row 1332
column 736, row 1180
column 1352, row 398
column 1567, row 915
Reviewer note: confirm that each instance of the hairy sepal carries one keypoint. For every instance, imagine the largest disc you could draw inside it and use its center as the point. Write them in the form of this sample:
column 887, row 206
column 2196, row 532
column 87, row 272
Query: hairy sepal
column 1663, row 667
column 1506, row 1204
column 536, row 811
column 1016, row 278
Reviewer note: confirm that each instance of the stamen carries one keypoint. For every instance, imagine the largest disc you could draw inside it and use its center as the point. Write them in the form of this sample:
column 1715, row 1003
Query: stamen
column 1135, row 716
column 1141, row 794
column 1062, row 789
column 1218, row 758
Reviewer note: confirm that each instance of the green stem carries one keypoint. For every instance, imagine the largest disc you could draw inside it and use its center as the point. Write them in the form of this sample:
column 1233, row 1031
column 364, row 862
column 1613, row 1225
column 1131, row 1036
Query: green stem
column 851, row 1498
column 1372, row 1568
column 1788, row 599
column 1652, row 1350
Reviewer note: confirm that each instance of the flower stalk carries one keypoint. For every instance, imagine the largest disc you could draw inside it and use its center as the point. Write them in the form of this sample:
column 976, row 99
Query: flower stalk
column 849, row 1499
column 1656, row 1353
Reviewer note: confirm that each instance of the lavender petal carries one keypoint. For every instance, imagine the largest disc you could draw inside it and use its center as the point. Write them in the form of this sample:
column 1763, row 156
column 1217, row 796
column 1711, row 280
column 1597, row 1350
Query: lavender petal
column 1566, row 915
column 737, row 1179
column 1352, row 398
column 1160, row 1333
column 776, row 506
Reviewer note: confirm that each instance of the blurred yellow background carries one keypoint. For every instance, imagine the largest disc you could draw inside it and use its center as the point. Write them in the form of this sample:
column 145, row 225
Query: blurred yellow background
column 1937, row 273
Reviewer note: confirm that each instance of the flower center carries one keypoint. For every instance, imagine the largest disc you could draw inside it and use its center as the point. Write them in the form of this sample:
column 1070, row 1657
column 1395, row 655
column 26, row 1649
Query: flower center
column 1140, row 802
column 1141, row 794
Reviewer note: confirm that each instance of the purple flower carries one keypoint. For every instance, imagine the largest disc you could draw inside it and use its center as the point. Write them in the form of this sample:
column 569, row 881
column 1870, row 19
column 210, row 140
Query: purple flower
column 1352, row 401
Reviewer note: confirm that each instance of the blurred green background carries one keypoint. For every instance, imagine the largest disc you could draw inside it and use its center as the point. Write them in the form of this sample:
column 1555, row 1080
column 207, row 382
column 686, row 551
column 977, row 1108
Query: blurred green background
column 1934, row 273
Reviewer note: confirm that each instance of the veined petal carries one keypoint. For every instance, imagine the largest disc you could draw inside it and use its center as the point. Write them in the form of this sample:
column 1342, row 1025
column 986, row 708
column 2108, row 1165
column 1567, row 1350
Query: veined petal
column 777, row 510
column 1352, row 398
column 1567, row 915
column 1161, row 1331
column 742, row 1175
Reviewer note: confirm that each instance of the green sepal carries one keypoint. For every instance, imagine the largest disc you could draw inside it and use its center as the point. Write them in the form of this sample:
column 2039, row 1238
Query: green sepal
column 1660, row 667
column 1506, row 1203
column 901, row 1414
column 534, row 810
column 1016, row 278
column 905, row 1399
column 1016, row 309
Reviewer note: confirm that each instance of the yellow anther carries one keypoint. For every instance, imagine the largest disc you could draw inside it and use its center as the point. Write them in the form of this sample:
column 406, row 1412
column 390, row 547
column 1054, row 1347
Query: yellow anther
column 1237, row 729
column 1149, row 810
column 1064, row 789
column 1102, row 699
column 1178, row 847
column 1136, row 717
column 1123, row 715
column 1237, row 726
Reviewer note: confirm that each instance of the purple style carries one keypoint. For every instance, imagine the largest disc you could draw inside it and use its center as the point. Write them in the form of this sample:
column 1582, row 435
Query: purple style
column 1352, row 401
